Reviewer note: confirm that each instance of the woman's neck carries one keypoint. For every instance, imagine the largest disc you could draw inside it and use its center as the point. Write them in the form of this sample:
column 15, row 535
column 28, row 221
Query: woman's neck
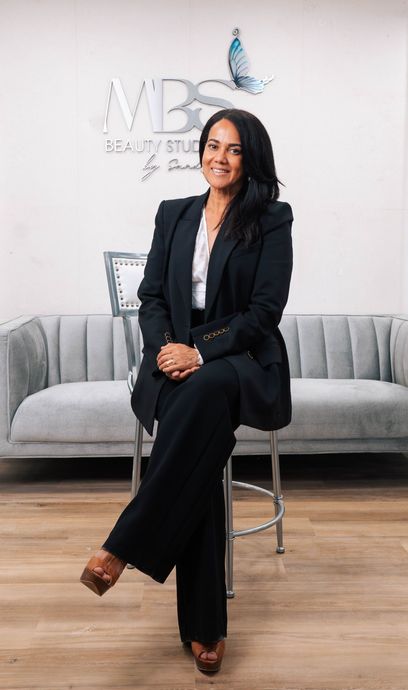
column 218, row 200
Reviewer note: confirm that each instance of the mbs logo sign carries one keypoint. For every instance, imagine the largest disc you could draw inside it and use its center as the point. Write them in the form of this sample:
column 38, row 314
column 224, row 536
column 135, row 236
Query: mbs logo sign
column 154, row 94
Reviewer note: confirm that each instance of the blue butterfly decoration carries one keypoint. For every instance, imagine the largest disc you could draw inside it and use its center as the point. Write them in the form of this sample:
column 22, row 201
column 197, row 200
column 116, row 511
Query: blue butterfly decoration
column 239, row 66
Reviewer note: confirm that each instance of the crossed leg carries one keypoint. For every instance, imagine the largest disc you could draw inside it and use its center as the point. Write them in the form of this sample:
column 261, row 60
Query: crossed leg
column 177, row 518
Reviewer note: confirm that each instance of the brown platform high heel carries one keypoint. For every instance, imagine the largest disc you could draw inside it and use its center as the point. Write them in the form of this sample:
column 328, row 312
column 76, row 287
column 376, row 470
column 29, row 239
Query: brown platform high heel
column 110, row 564
column 208, row 665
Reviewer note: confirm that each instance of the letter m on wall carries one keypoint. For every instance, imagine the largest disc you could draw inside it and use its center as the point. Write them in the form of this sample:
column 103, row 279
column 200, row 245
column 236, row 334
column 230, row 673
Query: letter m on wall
column 154, row 93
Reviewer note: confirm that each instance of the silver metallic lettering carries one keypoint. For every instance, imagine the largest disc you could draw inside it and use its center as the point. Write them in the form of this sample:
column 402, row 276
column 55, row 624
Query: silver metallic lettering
column 154, row 93
column 154, row 96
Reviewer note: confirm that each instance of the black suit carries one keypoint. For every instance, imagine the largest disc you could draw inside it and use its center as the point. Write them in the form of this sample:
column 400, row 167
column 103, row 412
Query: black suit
column 247, row 289
column 177, row 517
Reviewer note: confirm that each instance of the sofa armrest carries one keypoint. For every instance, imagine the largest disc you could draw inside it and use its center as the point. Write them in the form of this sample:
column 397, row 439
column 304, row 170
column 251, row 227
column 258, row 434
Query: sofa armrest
column 23, row 365
column 399, row 349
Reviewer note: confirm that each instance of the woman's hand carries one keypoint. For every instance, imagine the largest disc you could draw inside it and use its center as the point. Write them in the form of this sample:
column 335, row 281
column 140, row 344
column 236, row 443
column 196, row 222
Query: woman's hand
column 181, row 375
column 177, row 361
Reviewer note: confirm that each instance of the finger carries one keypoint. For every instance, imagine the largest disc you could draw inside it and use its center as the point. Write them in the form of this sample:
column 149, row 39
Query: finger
column 175, row 376
column 167, row 363
column 165, row 351
column 171, row 365
column 170, row 368
column 188, row 372
column 162, row 356
column 167, row 360
column 178, row 375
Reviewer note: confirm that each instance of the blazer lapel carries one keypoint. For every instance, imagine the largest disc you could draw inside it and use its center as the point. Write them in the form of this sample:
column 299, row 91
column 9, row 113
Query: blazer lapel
column 220, row 253
column 183, row 248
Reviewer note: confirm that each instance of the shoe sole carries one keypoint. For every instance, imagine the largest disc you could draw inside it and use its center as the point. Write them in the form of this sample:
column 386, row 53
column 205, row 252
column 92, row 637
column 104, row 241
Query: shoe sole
column 94, row 582
column 208, row 665
column 208, row 669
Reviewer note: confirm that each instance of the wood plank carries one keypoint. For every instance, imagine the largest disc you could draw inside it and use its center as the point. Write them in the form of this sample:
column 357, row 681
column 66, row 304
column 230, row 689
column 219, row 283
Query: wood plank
column 331, row 613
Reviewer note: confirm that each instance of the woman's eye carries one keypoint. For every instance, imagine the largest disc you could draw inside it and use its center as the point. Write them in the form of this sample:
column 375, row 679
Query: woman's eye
column 211, row 146
column 235, row 151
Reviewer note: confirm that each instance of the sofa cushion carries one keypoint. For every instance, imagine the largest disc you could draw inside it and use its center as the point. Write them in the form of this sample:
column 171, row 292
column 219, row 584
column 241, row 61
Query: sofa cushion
column 347, row 408
column 99, row 411
column 89, row 411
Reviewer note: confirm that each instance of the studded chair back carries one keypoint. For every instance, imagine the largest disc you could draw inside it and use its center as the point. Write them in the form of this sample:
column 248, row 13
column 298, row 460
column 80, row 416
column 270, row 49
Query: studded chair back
column 124, row 272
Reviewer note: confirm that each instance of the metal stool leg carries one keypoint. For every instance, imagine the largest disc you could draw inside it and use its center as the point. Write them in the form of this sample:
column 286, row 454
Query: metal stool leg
column 137, row 466
column 229, row 528
column 137, row 459
column 276, row 488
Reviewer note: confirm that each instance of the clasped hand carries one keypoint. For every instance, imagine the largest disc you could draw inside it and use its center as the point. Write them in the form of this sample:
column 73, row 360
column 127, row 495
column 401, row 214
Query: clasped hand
column 177, row 361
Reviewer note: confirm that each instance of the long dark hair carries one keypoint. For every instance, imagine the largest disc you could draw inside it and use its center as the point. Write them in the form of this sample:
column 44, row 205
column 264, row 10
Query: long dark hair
column 260, row 184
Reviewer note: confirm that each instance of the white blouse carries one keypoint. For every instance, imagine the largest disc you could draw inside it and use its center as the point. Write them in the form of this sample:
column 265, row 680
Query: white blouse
column 199, row 270
column 200, row 266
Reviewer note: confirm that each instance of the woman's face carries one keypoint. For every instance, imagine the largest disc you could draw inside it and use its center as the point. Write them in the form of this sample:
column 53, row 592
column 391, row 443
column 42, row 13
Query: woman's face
column 222, row 158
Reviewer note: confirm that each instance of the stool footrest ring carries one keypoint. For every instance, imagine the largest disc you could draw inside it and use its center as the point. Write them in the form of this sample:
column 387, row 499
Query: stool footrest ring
column 278, row 500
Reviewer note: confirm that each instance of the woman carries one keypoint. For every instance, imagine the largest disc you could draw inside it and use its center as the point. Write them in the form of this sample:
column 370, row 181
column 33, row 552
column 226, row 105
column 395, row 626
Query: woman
column 215, row 286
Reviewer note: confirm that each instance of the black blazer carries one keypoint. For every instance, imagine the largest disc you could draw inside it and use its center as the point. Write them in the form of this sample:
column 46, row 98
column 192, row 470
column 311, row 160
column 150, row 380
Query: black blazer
column 247, row 290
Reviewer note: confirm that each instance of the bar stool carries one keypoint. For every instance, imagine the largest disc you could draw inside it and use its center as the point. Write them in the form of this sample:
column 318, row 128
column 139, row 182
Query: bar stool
column 124, row 273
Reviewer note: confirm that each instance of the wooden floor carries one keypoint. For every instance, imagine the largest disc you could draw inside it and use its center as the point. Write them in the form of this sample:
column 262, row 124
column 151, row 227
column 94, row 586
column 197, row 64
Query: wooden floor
column 329, row 614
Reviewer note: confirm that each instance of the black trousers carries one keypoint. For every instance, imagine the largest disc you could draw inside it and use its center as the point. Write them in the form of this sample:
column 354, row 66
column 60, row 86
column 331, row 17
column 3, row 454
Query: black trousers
column 177, row 519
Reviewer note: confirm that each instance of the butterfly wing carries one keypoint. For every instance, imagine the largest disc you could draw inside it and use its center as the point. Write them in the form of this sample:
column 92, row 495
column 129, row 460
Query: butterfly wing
column 238, row 61
column 239, row 67
column 251, row 84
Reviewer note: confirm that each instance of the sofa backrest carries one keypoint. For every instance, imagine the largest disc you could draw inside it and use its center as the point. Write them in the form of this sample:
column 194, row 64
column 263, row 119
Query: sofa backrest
column 85, row 348
column 92, row 347
column 338, row 346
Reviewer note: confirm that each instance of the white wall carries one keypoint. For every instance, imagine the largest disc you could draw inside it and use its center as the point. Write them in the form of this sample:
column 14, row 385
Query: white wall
column 336, row 112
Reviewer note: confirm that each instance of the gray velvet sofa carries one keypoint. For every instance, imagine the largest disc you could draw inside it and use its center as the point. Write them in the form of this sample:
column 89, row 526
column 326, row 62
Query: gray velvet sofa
column 63, row 389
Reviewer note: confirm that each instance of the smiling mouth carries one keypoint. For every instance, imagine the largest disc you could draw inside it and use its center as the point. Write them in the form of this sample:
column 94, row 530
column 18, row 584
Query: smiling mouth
column 219, row 171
